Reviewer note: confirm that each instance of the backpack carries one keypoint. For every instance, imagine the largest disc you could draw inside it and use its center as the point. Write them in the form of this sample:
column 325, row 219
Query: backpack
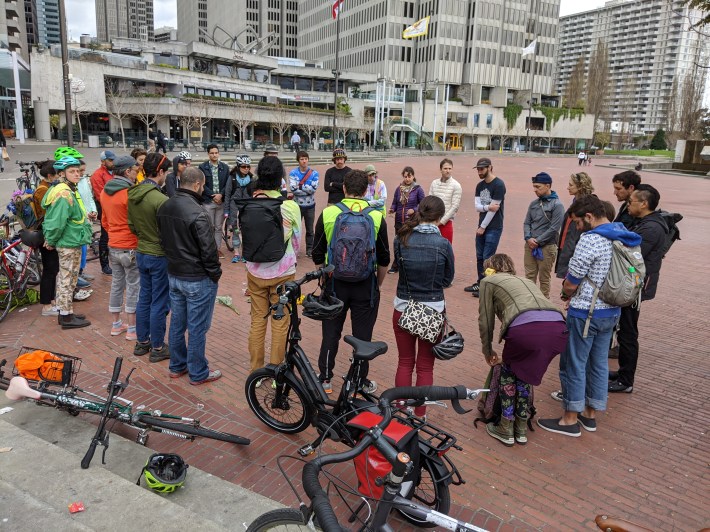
column 351, row 249
column 42, row 365
column 671, row 219
column 261, row 226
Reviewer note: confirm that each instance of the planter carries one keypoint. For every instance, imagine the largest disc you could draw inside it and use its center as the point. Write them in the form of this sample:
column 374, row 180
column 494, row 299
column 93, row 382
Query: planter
column 599, row 152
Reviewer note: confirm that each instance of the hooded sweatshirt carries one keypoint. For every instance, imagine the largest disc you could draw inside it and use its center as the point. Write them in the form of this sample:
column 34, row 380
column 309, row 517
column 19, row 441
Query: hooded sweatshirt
column 114, row 213
column 591, row 261
column 654, row 232
column 143, row 203
column 65, row 223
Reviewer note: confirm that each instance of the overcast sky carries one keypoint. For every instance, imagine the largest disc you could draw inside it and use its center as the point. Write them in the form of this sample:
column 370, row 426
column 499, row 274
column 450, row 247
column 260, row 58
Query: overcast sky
column 82, row 14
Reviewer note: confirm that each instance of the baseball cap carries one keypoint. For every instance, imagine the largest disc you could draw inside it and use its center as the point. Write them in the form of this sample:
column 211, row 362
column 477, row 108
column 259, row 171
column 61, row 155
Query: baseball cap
column 270, row 148
column 123, row 163
column 108, row 154
column 483, row 163
column 370, row 169
column 542, row 177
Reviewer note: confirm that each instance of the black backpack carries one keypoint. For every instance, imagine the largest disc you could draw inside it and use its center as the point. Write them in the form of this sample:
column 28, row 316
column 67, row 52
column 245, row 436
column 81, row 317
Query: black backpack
column 671, row 219
column 261, row 226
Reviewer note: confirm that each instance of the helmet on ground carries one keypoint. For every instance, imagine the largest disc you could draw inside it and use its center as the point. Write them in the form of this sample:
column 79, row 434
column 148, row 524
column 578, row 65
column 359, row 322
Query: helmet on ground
column 66, row 151
column 243, row 159
column 185, row 155
column 66, row 162
column 165, row 472
column 451, row 344
column 339, row 152
column 322, row 307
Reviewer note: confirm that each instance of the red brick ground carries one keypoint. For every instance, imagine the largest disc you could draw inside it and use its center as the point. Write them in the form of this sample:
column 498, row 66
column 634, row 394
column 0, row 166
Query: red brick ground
column 648, row 461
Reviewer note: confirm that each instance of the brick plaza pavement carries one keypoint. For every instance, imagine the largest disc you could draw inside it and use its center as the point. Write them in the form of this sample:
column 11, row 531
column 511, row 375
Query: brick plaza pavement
column 648, row 461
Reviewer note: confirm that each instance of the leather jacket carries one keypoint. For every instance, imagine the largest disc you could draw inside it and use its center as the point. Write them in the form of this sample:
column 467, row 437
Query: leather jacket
column 187, row 236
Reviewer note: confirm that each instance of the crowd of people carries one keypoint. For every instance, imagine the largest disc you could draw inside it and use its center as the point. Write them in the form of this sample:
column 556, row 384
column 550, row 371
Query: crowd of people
column 162, row 228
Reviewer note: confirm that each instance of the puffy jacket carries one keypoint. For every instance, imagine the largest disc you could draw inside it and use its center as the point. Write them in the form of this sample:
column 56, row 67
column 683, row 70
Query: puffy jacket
column 65, row 222
column 654, row 231
column 450, row 192
column 144, row 200
column 212, row 188
column 427, row 266
column 187, row 236
column 114, row 214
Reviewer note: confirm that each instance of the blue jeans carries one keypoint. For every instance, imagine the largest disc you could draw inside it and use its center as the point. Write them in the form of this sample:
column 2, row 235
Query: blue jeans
column 486, row 247
column 584, row 364
column 191, row 307
column 153, row 300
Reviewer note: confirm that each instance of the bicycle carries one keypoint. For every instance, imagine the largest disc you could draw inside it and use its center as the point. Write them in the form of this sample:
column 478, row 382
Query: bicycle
column 29, row 178
column 75, row 400
column 92, row 251
column 289, row 397
column 320, row 514
column 18, row 269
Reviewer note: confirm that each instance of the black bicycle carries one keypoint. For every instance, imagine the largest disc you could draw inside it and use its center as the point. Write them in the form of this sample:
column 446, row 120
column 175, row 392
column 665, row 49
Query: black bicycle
column 289, row 397
column 29, row 178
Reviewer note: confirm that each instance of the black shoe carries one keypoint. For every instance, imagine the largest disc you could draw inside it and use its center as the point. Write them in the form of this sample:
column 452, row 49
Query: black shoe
column 163, row 353
column 553, row 425
column 619, row 387
column 141, row 348
column 587, row 423
column 613, row 375
column 393, row 270
column 77, row 316
column 473, row 289
column 71, row 321
column 106, row 270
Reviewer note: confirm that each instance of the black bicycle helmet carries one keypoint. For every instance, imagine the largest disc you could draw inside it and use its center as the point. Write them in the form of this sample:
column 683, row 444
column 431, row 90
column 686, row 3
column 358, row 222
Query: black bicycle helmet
column 164, row 472
column 34, row 239
column 322, row 307
column 449, row 346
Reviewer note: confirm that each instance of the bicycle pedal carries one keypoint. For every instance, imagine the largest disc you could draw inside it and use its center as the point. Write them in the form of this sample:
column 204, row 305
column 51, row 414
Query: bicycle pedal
column 306, row 450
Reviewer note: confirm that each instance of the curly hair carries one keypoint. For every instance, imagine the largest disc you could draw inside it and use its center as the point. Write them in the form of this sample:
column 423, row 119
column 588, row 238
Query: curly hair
column 501, row 263
column 583, row 183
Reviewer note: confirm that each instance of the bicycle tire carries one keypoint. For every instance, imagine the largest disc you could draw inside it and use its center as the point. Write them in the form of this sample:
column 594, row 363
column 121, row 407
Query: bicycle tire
column 429, row 492
column 226, row 236
column 6, row 290
column 194, row 431
column 263, row 399
column 92, row 252
column 34, row 268
column 280, row 519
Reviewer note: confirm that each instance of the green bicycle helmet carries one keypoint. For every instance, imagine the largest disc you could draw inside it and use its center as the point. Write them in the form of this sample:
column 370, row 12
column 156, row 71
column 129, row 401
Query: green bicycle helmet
column 164, row 473
column 66, row 162
column 66, row 151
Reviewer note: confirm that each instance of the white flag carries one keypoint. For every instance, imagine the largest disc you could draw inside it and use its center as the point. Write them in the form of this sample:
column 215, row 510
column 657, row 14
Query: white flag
column 530, row 49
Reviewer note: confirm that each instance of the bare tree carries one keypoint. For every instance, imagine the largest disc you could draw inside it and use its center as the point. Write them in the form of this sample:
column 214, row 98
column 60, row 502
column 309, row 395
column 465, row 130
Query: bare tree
column 146, row 112
column 672, row 112
column 116, row 107
column 574, row 92
column 280, row 122
column 627, row 107
column 690, row 104
column 201, row 112
column 242, row 118
column 598, row 83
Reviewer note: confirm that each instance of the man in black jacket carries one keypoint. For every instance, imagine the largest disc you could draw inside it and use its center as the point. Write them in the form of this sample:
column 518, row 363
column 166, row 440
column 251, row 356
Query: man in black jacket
column 216, row 176
column 187, row 236
column 648, row 223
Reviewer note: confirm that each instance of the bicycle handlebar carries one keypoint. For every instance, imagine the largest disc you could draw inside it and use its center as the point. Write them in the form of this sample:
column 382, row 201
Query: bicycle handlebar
column 290, row 289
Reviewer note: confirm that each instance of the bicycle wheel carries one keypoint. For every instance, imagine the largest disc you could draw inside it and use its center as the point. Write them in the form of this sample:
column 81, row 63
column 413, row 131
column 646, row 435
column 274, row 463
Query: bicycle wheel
column 5, row 292
column 92, row 253
column 281, row 519
column 430, row 491
column 33, row 273
column 227, row 235
column 286, row 410
column 193, row 431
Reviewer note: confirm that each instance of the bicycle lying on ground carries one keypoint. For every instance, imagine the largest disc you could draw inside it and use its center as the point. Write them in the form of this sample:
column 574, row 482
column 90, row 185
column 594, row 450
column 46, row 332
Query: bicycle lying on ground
column 319, row 513
column 19, row 267
column 75, row 400
column 29, row 178
column 289, row 397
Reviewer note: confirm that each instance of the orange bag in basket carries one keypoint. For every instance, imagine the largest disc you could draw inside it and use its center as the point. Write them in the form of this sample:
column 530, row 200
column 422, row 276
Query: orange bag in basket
column 40, row 366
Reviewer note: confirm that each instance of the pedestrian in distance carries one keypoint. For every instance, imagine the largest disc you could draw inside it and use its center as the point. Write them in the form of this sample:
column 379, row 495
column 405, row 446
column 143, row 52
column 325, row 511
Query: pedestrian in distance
column 405, row 202
column 303, row 183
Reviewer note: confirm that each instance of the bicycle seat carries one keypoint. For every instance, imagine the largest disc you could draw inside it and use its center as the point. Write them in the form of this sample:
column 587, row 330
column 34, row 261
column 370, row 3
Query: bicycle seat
column 363, row 350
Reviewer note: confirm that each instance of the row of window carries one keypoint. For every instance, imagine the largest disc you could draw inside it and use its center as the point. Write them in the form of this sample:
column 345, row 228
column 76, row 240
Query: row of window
column 225, row 94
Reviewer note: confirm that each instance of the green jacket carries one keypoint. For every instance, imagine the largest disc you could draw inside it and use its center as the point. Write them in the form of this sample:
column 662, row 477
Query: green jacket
column 506, row 296
column 65, row 223
column 144, row 200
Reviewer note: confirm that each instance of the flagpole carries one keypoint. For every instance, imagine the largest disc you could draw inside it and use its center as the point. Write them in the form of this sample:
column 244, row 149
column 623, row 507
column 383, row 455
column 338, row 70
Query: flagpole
column 336, row 73
column 530, row 103
column 426, row 79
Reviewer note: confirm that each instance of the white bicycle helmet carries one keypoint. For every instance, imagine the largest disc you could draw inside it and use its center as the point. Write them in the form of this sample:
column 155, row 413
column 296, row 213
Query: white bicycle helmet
column 185, row 155
column 243, row 159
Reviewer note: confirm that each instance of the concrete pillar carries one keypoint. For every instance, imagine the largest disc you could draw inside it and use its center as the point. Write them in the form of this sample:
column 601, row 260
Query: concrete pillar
column 43, row 132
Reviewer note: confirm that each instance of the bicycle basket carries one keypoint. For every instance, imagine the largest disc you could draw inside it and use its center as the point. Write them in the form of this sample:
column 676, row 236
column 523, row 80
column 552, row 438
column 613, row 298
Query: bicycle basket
column 46, row 366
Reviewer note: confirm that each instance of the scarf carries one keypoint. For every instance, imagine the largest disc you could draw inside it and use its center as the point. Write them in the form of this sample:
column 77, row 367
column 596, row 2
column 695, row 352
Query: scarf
column 404, row 192
column 243, row 181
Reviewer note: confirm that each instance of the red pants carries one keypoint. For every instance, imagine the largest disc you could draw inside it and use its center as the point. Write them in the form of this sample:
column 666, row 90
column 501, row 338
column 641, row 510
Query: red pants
column 411, row 357
column 447, row 231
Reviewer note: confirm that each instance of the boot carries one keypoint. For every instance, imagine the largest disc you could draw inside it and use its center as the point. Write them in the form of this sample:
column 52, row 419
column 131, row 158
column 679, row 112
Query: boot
column 520, row 428
column 71, row 321
column 77, row 316
column 503, row 431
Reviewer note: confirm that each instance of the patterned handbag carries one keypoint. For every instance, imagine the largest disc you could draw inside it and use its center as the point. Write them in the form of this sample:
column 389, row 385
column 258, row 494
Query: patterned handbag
column 419, row 319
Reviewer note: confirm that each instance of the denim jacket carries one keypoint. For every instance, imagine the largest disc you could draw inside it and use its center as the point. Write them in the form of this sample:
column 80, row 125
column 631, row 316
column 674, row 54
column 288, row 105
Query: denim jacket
column 426, row 265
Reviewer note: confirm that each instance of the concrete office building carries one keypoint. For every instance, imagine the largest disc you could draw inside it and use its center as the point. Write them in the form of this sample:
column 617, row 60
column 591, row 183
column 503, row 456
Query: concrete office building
column 132, row 19
column 13, row 29
column 165, row 34
column 649, row 46
column 254, row 26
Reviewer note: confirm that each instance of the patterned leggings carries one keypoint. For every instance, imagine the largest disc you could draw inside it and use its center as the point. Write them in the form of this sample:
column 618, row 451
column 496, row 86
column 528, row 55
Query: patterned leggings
column 514, row 395
column 69, row 261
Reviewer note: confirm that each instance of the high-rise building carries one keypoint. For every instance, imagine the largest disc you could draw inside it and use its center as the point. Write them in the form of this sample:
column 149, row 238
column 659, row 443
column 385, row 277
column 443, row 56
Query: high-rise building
column 43, row 17
column 265, row 28
column 649, row 46
column 165, row 34
column 132, row 19
column 13, row 29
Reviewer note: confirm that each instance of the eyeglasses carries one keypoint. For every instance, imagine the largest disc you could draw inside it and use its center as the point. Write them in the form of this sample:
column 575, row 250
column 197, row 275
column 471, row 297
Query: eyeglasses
column 636, row 201
column 244, row 166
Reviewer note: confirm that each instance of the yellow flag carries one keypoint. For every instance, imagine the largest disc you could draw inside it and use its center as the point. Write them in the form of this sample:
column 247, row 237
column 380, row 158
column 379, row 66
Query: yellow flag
column 418, row 29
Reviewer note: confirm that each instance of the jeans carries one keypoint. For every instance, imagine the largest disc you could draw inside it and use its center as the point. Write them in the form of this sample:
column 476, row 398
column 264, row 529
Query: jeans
column 126, row 278
column 154, row 299
column 486, row 246
column 584, row 364
column 628, row 338
column 413, row 353
column 50, row 269
column 84, row 250
column 309, row 216
column 191, row 307
column 216, row 215
column 540, row 269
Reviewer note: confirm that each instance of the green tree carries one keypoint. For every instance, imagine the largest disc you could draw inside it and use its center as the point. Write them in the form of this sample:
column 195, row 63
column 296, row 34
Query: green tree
column 658, row 142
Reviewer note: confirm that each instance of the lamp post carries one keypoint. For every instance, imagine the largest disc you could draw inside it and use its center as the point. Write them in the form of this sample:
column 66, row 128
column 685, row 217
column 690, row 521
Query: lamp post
column 65, row 73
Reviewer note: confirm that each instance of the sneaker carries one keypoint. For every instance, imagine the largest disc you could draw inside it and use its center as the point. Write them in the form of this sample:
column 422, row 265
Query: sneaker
column 369, row 387
column 131, row 335
column 553, row 425
column 472, row 289
column 327, row 387
column 557, row 395
column 106, row 270
column 53, row 311
column 211, row 377
column 82, row 283
column 87, row 276
column 220, row 255
column 619, row 387
column 81, row 295
column 613, row 375
column 161, row 353
column 393, row 270
column 122, row 327
column 589, row 424
column 236, row 259
column 309, row 254
column 141, row 348
column 178, row 374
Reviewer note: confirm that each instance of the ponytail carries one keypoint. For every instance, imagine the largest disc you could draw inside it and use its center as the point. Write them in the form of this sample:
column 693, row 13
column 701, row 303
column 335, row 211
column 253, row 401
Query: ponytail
column 431, row 210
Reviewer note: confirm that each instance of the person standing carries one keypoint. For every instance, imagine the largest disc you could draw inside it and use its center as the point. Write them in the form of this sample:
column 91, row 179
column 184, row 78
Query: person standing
column 427, row 262
column 361, row 298
column 580, row 185
column 407, row 197
column 333, row 181
column 161, row 143
column 449, row 190
column 581, row 157
column 122, row 244
column 541, row 229
column 50, row 257
column 238, row 188
column 648, row 223
column 87, row 196
column 144, row 201
column 303, row 183
column 296, row 141
column 376, row 195
column 102, row 175
column 66, row 228
column 216, row 175
column 3, row 147
column 624, row 184
column 187, row 237
column 490, row 203
column 139, row 155
column 172, row 181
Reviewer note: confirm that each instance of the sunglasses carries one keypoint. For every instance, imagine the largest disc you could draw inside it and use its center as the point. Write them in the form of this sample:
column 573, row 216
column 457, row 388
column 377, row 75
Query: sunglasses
column 244, row 166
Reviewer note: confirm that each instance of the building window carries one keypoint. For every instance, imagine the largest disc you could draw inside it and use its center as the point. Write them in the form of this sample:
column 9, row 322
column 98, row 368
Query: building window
column 489, row 121
column 476, row 119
